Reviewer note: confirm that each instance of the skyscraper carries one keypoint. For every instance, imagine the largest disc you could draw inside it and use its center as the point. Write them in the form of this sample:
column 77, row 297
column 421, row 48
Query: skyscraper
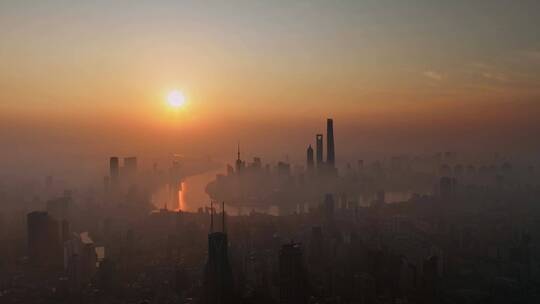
column 330, row 157
column 44, row 239
column 310, row 160
column 293, row 286
column 218, row 279
column 319, row 147
column 114, row 170
column 239, row 162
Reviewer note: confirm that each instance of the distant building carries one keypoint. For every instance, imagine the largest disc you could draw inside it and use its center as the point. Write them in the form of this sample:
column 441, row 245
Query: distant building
column 310, row 159
column 319, row 147
column 80, row 260
column 257, row 163
column 114, row 170
column 239, row 163
column 44, row 240
column 330, row 154
column 293, row 284
column 218, row 279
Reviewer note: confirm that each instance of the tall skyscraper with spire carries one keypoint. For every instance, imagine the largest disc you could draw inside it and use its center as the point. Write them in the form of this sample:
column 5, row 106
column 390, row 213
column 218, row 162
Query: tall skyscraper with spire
column 239, row 162
column 330, row 156
column 218, row 287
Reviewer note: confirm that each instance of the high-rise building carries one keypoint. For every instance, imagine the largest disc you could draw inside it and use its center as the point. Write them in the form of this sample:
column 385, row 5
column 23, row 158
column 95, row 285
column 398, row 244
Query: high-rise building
column 319, row 147
column 293, row 286
column 330, row 156
column 310, row 160
column 239, row 162
column 218, row 279
column 44, row 240
column 80, row 259
column 114, row 170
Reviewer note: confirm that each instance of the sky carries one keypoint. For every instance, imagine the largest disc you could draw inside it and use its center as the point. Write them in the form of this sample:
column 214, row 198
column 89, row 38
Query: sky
column 83, row 79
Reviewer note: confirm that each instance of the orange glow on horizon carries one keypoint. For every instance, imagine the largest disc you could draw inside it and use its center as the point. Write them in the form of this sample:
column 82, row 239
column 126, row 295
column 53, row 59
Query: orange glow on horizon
column 181, row 197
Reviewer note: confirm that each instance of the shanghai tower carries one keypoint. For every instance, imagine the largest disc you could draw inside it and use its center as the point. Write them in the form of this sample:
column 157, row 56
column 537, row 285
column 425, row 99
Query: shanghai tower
column 330, row 156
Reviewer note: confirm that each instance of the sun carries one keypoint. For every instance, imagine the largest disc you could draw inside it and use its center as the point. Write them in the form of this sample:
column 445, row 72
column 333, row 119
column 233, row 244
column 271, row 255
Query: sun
column 176, row 99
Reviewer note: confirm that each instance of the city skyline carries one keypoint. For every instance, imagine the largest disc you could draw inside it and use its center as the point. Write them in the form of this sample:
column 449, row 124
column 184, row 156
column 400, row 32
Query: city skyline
column 387, row 71
column 269, row 152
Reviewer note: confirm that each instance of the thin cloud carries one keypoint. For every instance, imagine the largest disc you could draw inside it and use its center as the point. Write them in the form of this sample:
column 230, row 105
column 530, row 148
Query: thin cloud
column 495, row 76
column 433, row 75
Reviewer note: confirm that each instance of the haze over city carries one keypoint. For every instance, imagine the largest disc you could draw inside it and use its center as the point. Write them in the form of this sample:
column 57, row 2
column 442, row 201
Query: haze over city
column 331, row 131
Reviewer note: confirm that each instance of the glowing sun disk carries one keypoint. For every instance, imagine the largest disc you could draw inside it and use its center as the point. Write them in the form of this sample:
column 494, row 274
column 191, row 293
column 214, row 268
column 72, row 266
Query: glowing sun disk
column 176, row 99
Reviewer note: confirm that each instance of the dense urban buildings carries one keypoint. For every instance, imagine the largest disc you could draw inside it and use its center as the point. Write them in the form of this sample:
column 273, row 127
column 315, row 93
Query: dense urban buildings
column 439, row 228
column 269, row 152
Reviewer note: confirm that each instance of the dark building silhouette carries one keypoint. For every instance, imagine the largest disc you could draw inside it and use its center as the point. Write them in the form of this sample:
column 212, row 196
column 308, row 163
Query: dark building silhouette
column 293, row 285
column 310, row 160
column 430, row 276
column 114, row 169
column 239, row 162
column 319, row 147
column 330, row 156
column 44, row 239
column 218, row 285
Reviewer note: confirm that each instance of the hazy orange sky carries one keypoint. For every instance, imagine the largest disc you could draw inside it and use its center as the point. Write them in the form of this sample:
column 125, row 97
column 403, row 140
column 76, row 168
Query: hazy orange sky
column 90, row 77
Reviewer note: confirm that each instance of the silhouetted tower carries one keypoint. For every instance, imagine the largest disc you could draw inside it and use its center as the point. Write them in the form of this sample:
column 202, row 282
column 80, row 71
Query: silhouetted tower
column 319, row 150
column 238, row 161
column 114, row 170
column 218, row 278
column 293, row 286
column 330, row 156
column 44, row 239
column 310, row 161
